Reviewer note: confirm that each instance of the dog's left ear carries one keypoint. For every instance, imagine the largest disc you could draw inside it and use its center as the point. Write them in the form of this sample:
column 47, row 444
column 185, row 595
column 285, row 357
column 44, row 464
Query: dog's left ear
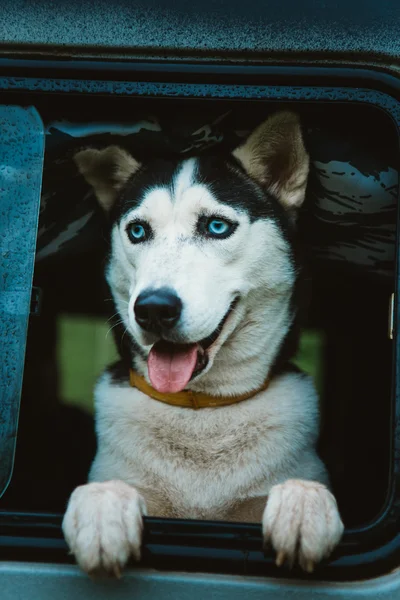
column 106, row 170
column 275, row 156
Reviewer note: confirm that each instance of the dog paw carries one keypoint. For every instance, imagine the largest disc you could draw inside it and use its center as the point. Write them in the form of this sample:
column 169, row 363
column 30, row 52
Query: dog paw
column 103, row 526
column 302, row 522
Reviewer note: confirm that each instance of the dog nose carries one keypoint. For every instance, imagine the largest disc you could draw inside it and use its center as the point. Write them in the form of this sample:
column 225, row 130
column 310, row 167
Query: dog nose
column 157, row 309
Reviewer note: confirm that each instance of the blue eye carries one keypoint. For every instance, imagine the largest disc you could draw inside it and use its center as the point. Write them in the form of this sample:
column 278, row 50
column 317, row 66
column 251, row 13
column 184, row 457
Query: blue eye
column 138, row 232
column 218, row 227
column 214, row 227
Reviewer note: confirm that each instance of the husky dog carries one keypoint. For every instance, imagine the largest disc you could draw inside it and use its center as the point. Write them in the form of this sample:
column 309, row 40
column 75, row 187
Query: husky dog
column 203, row 418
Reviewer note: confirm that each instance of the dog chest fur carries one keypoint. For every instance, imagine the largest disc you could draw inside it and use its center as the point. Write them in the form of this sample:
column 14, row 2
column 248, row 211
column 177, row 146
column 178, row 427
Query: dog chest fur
column 207, row 463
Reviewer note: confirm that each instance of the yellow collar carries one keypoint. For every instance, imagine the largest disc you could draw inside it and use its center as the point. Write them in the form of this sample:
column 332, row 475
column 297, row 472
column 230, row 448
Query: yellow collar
column 188, row 398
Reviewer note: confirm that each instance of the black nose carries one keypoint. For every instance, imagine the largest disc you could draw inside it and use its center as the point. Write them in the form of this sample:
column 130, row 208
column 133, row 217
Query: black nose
column 156, row 310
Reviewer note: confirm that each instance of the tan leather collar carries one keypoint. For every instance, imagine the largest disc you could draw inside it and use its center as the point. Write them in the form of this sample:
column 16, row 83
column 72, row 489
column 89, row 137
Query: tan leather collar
column 188, row 398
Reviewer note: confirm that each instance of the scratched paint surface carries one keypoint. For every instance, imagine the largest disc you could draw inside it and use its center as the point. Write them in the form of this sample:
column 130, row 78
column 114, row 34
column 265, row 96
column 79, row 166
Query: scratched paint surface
column 21, row 161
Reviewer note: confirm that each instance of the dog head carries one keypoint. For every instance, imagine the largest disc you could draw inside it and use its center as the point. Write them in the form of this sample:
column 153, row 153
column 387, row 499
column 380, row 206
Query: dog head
column 201, row 266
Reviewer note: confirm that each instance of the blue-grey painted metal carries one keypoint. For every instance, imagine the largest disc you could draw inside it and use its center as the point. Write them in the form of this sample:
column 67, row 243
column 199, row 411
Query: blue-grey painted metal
column 21, row 163
column 204, row 90
column 206, row 27
column 33, row 581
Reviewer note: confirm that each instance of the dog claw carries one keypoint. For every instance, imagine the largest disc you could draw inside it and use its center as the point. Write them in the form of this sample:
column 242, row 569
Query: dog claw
column 280, row 559
column 117, row 571
column 309, row 566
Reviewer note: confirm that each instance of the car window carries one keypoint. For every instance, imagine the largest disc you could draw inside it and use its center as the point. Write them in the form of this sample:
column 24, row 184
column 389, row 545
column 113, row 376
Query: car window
column 21, row 164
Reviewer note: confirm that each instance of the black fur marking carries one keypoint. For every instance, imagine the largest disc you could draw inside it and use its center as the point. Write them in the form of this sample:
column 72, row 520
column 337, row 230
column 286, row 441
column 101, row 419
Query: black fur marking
column 230, row 184
column 119, row 372
column 224, row 176
column 155, row 174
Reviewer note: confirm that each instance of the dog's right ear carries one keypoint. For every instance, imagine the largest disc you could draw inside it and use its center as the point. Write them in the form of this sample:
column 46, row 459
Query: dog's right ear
column 106, row 170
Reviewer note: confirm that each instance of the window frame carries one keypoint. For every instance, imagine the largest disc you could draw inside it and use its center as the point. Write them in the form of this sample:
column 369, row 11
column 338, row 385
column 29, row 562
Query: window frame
column 194, row 545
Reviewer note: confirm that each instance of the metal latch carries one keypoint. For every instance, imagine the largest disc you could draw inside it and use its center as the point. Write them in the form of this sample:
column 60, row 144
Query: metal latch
column 36, row 301
column 391, row 317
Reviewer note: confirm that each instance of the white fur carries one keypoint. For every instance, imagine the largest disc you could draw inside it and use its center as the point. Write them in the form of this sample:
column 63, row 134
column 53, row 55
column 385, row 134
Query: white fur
column 184, row 178
column 103, row 525
column 152, row 445
column 214, row 463
column 218, row 463
column 207, row 276
column 301, row 520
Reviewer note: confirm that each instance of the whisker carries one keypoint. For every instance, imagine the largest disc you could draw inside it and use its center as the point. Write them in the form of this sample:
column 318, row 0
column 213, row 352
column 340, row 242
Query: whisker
column 112, row 316
column 122, row 338
column 112, row 300
column 113, row 327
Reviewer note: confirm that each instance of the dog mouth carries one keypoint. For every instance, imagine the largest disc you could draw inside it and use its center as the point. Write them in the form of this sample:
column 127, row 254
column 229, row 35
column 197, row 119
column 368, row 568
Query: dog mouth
column 171, row 366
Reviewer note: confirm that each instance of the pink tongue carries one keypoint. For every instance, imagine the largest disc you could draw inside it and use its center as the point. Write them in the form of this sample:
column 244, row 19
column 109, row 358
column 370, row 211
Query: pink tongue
column 171, row 366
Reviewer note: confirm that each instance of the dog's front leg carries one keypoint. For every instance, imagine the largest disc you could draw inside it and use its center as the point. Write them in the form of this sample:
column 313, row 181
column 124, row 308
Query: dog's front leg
column 103, row 525
column 302, row 522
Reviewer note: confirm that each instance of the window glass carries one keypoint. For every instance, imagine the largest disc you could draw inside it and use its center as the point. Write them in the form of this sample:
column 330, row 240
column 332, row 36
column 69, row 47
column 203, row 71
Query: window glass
column 21, row 164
